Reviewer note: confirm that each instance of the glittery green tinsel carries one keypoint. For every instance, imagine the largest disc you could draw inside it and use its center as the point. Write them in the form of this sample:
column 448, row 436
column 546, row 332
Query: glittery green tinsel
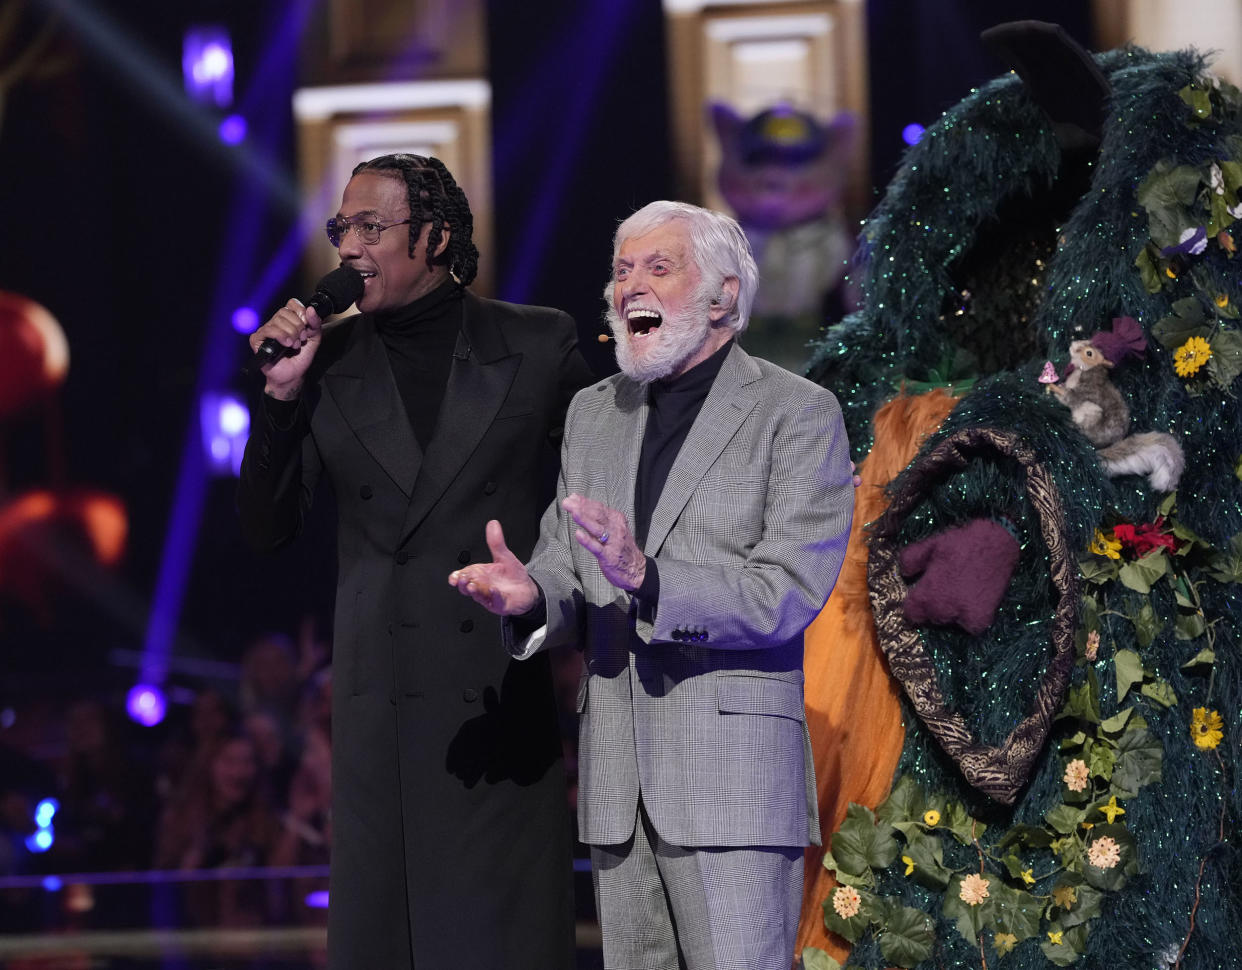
column 992, row 161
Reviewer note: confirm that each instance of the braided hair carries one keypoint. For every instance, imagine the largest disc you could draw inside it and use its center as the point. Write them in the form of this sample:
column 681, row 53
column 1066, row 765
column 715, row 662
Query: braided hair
column 434, row 197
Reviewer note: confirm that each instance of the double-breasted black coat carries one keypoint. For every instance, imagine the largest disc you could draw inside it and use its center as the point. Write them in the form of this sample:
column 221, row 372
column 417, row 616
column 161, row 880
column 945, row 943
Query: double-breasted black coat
column 451, row 844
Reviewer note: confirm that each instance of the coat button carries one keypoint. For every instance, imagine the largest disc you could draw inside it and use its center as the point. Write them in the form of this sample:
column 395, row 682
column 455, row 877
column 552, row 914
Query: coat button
column 467, row 626
column 365, row 491
column 469, row 695
column 402, row 557
column 489, row 488
column 463, row 557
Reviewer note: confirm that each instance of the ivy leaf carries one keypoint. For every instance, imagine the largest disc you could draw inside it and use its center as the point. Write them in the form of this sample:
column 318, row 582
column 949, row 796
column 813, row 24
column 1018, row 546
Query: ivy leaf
column 865, row 878
column 1086, row 906
column 964, row 828
column 1147, row 625
column 814, row 958
column 1116, row 723
column 856, row 925
column 1227, row 567
column 908, row 937
column 1101, row 761
column 1148, row 263
column 1188, row 626
column 1067, row 952
column 1204, row 658
column 1139, row 761
column 1186, row 321
column 1017, row 912
column 969, row 919
column 904, row 806
column 1098, row 571
column 1129, row 670
column 1083, row 701
column 1142, row 574
column 1030, row 836
column 1198, row 99
column 1167, row 194
column 1065, row 819
column 1159, row 691
column 860, row 844
column 927, row 854
column 1226, row 361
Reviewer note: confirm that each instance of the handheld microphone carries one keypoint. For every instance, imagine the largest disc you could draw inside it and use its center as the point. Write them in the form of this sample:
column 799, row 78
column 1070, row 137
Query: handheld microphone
column 335, row 293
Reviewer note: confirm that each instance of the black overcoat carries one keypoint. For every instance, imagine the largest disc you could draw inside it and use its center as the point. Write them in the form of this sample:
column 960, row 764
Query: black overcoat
column 450, row 837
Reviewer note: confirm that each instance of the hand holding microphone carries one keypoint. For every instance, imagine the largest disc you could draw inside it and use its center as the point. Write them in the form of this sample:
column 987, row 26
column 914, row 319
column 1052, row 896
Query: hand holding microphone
column 286, row 344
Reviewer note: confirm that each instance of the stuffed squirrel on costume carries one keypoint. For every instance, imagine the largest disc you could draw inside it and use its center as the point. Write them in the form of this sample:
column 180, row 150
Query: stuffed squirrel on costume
column 1101, row 413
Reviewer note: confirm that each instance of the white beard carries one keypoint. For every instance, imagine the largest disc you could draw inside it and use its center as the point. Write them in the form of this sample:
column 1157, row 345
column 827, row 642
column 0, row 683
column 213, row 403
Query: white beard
column 665, row 349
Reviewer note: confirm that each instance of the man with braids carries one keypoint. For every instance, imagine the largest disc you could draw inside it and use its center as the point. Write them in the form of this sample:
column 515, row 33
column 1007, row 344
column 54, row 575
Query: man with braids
column 704, row 506
column 430, row 413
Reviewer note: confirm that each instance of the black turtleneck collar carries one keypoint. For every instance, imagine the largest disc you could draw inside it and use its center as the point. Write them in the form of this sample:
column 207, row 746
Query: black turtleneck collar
column 427, row 308
column 695, row 382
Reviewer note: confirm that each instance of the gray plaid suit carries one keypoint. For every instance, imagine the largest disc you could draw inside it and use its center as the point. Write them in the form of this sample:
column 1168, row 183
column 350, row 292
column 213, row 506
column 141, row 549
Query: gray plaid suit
column 698, row 704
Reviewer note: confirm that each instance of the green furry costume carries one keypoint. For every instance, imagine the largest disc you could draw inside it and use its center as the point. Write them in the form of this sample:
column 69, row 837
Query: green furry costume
column 985, row 258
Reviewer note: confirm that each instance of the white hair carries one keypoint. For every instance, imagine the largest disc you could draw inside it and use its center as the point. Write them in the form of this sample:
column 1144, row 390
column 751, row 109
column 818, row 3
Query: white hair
column 717, row 245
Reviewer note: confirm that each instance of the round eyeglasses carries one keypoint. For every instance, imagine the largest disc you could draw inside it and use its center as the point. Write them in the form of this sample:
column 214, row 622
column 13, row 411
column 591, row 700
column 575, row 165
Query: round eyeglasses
column 367, row 230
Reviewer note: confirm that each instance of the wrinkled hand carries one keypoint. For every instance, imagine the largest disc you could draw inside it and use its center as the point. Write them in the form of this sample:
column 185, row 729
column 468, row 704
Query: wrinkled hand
column 503, row 586
column 605, row 534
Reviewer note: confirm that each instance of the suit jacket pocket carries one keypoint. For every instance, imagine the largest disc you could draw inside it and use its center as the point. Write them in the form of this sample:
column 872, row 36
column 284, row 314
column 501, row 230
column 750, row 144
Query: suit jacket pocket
column 740, row 693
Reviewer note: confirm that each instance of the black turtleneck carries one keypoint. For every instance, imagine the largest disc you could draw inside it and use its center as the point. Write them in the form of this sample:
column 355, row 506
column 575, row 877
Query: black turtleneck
column 674, row 403
column 420, row 338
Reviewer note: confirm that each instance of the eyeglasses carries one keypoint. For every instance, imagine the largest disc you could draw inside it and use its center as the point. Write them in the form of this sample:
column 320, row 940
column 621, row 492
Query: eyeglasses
column 368, row 232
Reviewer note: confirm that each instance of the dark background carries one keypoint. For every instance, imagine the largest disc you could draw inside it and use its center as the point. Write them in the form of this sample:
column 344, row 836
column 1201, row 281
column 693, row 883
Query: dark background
column 129, row 221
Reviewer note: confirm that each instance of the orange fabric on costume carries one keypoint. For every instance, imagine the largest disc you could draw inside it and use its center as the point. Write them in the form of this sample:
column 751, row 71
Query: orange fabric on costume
column 852, row 707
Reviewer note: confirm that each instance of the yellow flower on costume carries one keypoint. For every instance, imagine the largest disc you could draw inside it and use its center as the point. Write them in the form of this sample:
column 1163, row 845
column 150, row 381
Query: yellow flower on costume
column 1055, row 936
column 1065, row 896
column 1206, row 728
column 1168, row 271
column 1004, row 943
column 1222, row 300
column 1028, row 877
column 1112, row 809
column 846, row 901
column 931, row 817
column 1106, row 545
column 1191, row 356
column 909, row 864
column 974, row 890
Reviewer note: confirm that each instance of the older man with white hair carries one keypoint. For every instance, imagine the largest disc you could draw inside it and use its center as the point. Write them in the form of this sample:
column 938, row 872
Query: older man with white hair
column 703, row 510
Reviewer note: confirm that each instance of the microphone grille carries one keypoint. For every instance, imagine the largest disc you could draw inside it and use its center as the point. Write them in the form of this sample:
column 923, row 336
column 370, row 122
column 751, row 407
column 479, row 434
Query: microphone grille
column 343, row 287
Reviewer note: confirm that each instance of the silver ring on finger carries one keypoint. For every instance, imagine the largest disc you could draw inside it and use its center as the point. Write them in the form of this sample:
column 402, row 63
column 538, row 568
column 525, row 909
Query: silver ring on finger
column 603, row 538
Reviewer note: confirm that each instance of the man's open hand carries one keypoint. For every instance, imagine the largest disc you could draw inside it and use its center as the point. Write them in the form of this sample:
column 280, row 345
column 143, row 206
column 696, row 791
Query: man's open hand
column 503, row 586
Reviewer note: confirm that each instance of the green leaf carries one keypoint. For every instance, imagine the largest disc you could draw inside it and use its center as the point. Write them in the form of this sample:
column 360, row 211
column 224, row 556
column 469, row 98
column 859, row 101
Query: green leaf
column 1147, row 625
column 1030, row 836
column 860, row 844
column 1083, row 701
column 1098, row 570
column 1139, row 761
column 1148, row 263
column 1129, row 669
column 1101, row 761
column 1188, row 626
column 1067, row 952
column 1117, row 722
column 1142, row 574
column 927, row 854
column 1167, row 193
column 1087, row 907
column 856, row 925
column 1016, row 911
column 1226, row 361
column 814, row 958
column 865, row 878
column 964, row 828
column 1159, row 691
column 1186, row 321
column 969, row 919
column 1065, row 819
column 1167, row 504
column 1198, row 100
column 907, row 937
column 1204, row 658
column 905, row 804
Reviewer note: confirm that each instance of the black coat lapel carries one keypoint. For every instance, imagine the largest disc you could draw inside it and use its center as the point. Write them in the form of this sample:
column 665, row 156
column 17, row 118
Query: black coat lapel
column 479, row 380
column 363, row 388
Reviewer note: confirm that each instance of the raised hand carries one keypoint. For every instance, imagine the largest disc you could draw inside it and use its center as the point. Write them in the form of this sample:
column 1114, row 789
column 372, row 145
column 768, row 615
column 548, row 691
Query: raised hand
column 604, row 532
column 502, row 586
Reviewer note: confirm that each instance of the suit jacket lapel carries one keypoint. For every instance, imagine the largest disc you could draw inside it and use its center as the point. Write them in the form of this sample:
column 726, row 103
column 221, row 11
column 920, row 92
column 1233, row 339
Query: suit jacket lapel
column 631, row 416
column 482, row 372
column 363, row 388
column 729, row 401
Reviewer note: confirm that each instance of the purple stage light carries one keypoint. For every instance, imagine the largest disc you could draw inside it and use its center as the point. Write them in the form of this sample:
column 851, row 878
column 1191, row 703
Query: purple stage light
column 233, row 130
column 207, row 65
column 317, row 899
column 44, row 812
column 41, row 841
column 146, row 704
column 245, row 319
column 911, row 134
column 225, row 425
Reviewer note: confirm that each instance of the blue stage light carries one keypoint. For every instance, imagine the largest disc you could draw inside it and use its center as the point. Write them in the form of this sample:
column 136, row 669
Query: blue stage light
column 146, row 704
column 207, row 65
column 911, row 134
column 44, row 811
column 317, row 899
column 233, row 130
column 52, row 884
column 41, row 841
column 225, row 425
